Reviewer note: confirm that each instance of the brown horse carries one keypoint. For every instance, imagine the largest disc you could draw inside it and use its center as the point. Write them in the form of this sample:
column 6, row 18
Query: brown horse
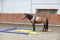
column 36, row 20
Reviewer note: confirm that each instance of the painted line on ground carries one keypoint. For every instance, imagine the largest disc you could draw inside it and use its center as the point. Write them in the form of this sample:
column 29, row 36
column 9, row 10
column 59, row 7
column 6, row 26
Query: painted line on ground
column 10, row 29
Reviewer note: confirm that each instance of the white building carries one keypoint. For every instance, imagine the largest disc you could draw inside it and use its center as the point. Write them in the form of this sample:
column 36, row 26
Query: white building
column 28, row 6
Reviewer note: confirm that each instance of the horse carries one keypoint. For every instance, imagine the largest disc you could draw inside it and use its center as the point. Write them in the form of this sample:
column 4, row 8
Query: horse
column 37, row 20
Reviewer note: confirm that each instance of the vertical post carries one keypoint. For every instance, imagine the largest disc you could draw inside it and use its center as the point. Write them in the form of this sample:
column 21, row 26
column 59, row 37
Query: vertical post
column 30, row 6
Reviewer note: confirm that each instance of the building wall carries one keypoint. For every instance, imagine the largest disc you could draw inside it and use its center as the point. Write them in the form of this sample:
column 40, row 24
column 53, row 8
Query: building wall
column 46, row 4
column 53, row 18
column 28, row 6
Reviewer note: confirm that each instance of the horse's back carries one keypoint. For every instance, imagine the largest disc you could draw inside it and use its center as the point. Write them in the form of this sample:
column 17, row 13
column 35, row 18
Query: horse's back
column 38, row 19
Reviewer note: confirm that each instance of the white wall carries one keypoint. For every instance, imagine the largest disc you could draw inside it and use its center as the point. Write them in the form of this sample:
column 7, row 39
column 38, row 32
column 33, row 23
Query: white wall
column 46, row 1
column 24, row 6
column 16, row 6
column 1, row 6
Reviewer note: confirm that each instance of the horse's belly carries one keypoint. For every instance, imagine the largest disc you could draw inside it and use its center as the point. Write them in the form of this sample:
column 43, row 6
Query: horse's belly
column 37, row 21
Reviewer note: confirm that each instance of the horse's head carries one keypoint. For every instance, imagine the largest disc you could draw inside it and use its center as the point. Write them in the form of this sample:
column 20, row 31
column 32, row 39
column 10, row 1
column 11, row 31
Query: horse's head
column 27, row 16
column 24, row 17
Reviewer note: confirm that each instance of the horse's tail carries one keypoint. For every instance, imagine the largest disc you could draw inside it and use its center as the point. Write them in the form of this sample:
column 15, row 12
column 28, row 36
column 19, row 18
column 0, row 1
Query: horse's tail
column 46, row 23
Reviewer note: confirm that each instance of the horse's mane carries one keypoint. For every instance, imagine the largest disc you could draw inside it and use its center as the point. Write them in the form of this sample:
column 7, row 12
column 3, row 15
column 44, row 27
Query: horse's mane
column 29, row 16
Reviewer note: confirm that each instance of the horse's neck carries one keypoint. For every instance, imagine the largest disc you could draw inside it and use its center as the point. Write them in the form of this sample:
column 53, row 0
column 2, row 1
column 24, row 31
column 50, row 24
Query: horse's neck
column 29, row 17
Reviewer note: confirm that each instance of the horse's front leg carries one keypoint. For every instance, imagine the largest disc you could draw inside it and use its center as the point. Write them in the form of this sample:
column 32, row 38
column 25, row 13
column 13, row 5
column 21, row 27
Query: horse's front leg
column 33, row 26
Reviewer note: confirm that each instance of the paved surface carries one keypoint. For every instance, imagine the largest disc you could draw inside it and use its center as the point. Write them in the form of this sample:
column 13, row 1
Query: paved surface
column 54, row 35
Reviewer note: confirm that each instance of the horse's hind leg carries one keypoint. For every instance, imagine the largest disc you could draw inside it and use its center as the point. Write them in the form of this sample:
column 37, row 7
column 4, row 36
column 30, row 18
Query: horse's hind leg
column 44, row 28
column 46, row 25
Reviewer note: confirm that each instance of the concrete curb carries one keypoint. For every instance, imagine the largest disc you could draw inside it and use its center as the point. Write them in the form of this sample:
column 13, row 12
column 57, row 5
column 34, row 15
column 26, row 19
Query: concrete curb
column 16, row 23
